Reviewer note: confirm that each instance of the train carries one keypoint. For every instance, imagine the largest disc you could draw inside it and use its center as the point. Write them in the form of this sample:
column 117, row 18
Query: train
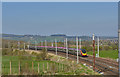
column 72, row 51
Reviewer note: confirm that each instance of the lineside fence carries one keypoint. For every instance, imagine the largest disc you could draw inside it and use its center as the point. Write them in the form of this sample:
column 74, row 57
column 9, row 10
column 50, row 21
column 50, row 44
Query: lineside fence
column 34, row 67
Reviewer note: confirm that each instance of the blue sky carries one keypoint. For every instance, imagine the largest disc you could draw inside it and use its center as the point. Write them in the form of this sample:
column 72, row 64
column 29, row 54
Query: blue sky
column 70, row 18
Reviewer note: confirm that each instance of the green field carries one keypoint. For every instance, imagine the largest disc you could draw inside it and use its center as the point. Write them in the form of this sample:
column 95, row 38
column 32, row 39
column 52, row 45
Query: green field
column 53, row 67
column 113, row 54
column 26, row 65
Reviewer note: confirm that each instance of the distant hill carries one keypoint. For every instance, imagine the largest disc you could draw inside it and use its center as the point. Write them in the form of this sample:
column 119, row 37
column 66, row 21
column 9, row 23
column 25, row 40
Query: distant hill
column 63, row 35
column 59, row 37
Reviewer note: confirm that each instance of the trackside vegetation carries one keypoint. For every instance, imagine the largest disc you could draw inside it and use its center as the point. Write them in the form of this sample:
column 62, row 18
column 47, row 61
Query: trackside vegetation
column 23, row 63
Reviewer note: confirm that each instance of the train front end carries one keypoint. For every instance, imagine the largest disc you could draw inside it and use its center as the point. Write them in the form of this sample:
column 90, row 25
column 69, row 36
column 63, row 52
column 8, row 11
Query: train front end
column 83, row 53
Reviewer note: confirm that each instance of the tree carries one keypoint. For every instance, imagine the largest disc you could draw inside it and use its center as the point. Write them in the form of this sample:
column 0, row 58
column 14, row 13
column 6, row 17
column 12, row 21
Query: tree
column 43, row 54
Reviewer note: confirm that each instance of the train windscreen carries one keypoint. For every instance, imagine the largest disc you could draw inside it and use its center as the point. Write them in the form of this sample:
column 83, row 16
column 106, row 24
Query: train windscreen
column 83, row 50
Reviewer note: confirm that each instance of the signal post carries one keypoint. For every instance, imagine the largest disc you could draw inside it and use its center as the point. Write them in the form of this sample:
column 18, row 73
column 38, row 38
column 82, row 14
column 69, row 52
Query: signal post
column 56, row 45
column 93, row 52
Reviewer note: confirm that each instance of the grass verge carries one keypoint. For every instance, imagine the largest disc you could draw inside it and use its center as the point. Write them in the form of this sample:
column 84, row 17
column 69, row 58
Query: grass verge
column 113, row 54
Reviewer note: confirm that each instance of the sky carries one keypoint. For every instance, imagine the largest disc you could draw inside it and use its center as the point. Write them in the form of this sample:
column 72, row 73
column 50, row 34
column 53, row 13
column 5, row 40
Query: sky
column 70, row 18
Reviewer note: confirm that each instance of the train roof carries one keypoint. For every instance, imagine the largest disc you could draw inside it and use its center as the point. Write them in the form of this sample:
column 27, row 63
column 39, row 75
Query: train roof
column 59, row 47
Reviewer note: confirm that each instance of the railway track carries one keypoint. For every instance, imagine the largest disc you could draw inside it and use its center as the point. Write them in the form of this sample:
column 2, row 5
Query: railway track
column 102, row 66
column 112, row 63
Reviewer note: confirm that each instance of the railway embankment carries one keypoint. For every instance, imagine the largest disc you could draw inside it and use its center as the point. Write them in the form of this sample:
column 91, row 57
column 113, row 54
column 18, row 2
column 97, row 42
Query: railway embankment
column 75, row 69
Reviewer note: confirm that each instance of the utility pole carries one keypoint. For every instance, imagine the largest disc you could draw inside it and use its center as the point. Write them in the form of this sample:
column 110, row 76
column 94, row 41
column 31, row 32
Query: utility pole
column 19, row 45
column 77, row 49
column 28, row 47
column 28, row 44
column 66, row 49
column 98, row 46
column 64, row 43
column 46, row 45
column 93, row 52
column 56, row 45
column 35, row 45
column 80, row 43
column 24, row 46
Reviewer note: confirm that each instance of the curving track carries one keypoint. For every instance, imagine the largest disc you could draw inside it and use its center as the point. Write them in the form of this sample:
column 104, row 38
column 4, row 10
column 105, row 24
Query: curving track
column 104, row 66
column 100, row 67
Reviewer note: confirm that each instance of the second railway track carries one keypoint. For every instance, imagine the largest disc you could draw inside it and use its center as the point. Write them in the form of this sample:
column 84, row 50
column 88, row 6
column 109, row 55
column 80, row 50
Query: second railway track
column 101, row 66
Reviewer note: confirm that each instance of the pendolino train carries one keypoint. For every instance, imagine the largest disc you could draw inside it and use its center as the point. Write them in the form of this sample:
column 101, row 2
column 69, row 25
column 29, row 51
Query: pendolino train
column 73, row 51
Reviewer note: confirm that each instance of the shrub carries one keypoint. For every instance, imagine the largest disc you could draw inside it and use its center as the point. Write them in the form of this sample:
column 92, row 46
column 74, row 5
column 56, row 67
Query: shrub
column 106, row 48
column 35, row 54
column 43, row 54
column 114, row 47
column 6, row 51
